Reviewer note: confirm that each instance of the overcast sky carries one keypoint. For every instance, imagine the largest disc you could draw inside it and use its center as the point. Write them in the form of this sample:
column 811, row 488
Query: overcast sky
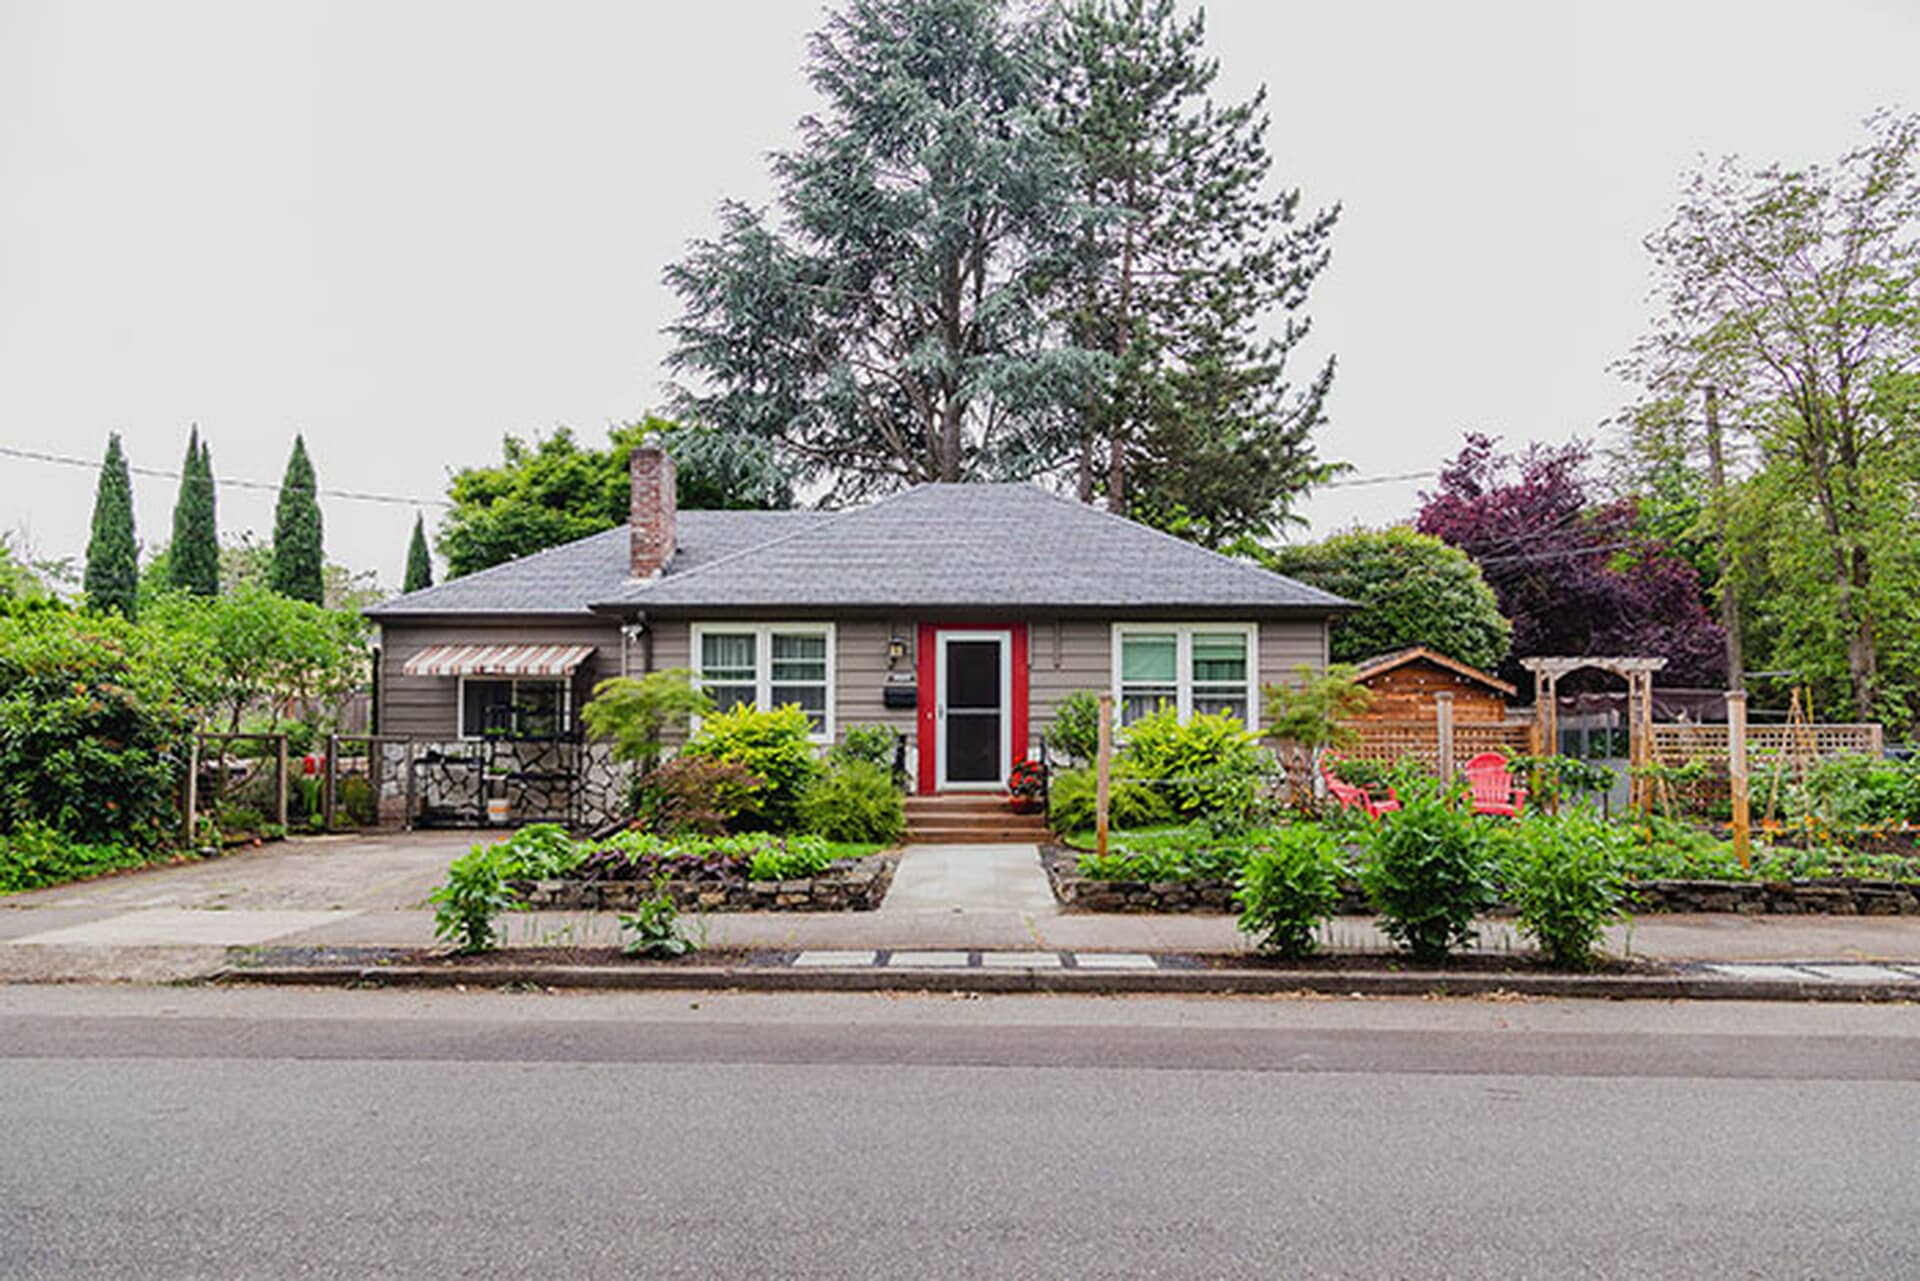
column 405, row 229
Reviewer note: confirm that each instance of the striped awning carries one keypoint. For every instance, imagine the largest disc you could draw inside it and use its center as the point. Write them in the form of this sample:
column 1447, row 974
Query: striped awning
column 498, row 660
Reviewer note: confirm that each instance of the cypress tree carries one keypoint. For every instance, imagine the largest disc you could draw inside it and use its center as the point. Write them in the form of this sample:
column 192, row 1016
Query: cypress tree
column 193, row 561
column 419, row 562
column 297, row 561
column 113, row 558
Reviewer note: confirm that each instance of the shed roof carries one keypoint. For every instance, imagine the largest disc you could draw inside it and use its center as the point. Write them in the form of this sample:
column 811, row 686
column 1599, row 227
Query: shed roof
column 1379, row 663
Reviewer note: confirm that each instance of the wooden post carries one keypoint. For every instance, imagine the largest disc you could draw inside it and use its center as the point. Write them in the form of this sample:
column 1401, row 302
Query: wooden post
column 1103, row 774
column 328, row 779
column 406, row 820
column 1443, row 726
column 193, row 790
column 283, row 782
column 1737, row 775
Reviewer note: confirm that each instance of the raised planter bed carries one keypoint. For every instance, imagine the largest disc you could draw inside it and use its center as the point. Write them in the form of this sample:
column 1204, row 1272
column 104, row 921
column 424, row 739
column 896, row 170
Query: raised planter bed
column 1828, row 896
column 850, row 885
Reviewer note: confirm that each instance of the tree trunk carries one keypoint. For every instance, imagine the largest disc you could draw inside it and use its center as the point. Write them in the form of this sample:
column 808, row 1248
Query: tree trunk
column 1863, row 665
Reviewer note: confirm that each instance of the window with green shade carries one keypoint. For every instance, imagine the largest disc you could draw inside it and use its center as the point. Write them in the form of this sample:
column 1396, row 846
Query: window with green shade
column 1198, row 668
column 766, row 666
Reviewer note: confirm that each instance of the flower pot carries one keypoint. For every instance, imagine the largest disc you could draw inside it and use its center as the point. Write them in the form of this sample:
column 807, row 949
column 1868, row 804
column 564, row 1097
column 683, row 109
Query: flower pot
column 499, row 811
column 1027, row 804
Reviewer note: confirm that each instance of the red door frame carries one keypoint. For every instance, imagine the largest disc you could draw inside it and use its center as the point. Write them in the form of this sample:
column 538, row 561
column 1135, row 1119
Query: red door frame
column 927, row 672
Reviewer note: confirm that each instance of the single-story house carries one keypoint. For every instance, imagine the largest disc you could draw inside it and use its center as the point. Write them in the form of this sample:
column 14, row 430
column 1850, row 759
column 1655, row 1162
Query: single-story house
column 960, row 615
column 1403, row 683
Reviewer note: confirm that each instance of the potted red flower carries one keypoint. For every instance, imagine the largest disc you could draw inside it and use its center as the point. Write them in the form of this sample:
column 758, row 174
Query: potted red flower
column 1027, row 787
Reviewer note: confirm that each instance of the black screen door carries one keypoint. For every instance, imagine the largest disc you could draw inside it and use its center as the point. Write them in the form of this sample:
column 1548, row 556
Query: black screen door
column 972, row 698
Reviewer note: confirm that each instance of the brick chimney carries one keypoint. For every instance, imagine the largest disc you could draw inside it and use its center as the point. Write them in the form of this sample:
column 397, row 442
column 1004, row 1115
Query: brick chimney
column 651, row 519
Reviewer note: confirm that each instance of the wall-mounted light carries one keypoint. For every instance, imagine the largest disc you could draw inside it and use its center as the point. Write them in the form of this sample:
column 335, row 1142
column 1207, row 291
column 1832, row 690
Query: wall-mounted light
column 896, row 650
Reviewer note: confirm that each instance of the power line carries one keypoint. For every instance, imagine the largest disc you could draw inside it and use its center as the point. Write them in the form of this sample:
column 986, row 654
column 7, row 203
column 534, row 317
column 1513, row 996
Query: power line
column 231, row 482
column 1398, row 477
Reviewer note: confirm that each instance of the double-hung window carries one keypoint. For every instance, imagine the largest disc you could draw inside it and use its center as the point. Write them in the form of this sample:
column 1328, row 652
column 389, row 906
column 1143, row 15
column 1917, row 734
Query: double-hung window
column 1197, row 667
column 768, row 665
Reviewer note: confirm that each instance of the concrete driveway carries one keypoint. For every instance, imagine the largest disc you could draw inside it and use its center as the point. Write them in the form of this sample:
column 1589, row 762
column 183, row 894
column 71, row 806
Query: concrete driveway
column 174, row 922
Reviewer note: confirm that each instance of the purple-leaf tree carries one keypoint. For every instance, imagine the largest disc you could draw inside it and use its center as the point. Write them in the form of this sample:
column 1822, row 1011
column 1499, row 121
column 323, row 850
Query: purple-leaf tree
column 1573, row 578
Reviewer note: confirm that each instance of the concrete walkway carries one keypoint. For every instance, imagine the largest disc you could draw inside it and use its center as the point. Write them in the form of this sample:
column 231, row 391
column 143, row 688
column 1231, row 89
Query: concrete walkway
column 345, row 892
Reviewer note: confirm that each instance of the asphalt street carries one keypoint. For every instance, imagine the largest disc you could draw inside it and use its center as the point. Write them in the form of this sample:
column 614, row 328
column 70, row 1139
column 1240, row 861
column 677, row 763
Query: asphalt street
column 153, row 1132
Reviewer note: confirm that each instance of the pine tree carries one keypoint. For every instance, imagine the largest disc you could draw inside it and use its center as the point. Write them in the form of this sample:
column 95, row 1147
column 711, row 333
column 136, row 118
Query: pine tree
column 419, row 561
column 1196, row 428
column 886, row 323
column 193, row 559
column 297, row 568
column 113, row 557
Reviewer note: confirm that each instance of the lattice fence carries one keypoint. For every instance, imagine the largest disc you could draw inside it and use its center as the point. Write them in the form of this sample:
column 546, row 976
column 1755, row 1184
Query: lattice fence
column 1769, row 747
column 1391, row 741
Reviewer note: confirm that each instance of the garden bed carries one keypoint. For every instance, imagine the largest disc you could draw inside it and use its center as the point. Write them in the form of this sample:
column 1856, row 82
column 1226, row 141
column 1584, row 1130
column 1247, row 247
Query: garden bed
column 1810, row 896
column 846, row 885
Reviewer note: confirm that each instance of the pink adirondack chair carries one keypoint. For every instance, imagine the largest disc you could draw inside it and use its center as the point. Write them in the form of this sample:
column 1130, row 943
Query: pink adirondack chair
column 1353, row 797
column 1495, row 790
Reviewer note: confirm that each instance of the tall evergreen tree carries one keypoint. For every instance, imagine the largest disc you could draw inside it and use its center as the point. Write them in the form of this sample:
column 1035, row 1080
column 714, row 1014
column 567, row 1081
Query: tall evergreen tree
column 419, row 560
column 888, row 325
column 298, row 566
column 193, row 558
column 113, row 557
column 1196, row 428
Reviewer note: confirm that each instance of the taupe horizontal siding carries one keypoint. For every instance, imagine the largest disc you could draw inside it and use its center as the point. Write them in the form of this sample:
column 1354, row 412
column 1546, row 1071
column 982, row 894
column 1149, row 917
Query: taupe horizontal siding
column 429, row 706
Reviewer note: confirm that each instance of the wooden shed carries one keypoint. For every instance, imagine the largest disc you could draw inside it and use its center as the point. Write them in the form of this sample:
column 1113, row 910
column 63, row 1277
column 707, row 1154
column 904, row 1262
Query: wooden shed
column 1404, row 682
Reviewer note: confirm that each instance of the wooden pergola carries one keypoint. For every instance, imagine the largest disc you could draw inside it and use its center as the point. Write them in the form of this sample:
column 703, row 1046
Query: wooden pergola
column 1638, row 674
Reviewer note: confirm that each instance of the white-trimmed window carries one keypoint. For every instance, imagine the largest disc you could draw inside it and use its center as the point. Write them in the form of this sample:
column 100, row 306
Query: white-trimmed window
column 514, row 707
column 1191, row 667
column 768, row 665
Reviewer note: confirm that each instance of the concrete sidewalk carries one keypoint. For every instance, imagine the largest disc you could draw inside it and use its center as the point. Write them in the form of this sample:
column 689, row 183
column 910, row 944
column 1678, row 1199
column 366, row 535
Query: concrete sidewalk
column 180, row 922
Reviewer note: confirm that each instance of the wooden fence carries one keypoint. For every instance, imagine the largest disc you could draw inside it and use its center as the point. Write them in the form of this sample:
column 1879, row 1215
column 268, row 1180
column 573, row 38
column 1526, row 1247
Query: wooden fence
column 1771, row 750
column 1391, row 741
column 1798, row 744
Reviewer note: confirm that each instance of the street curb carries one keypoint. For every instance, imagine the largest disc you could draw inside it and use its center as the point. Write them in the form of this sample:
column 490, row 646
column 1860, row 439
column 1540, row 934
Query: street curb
column 766, row 978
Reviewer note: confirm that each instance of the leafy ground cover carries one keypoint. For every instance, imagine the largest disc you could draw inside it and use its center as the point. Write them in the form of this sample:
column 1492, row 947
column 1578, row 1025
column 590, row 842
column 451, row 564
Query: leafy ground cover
column 493, row 878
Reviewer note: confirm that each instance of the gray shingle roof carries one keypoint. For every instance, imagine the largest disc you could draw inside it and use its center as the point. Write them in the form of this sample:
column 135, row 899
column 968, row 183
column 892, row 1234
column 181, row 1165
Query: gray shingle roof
column 569, row 578
column 949, row 546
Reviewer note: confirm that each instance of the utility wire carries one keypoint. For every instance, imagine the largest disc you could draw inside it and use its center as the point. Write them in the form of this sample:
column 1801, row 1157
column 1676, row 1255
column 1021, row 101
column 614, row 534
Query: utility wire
column 352, row 495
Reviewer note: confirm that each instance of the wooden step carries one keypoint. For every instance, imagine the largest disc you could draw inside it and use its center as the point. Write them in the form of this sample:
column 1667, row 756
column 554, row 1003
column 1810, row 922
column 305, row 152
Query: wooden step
column 959, row 803
column 976, row 834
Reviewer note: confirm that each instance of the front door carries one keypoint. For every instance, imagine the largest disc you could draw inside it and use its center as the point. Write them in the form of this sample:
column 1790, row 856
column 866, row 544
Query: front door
column 973, row 687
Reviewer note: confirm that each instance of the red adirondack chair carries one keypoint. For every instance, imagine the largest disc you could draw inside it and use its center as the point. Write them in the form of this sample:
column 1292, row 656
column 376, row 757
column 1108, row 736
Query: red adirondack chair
column 1352, row 797
column 1495, row 790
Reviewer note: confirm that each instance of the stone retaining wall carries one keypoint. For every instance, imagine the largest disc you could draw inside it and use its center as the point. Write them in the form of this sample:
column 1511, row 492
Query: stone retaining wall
column 851, row 885
column 1835, row 896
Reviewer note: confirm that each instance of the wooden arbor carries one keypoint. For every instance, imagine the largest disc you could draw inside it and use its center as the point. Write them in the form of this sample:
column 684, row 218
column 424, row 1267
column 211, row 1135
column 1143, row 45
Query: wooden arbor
column 1638, row 674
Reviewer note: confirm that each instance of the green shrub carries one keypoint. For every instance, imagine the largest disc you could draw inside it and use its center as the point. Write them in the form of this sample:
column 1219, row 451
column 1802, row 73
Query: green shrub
column 1074, row 735
column 773, row 746
column 475, row 892
column 694, row 794
column 653, row 928
column 537, row 852
column 1288, row 887
column 1206, row 764
column 854, row 800
column 1427, row 872
column 793, row 859
column 873, row 744
column 93, row 730
column 1131, row 800
column 33, row 856
column 1564, row 879
column 1190, row 853
column 636, row 712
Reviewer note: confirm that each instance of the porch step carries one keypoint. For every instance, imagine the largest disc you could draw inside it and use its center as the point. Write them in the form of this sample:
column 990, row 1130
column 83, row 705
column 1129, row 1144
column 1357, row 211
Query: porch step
column 977, row 834
column 961, row 803
column 976, row 818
